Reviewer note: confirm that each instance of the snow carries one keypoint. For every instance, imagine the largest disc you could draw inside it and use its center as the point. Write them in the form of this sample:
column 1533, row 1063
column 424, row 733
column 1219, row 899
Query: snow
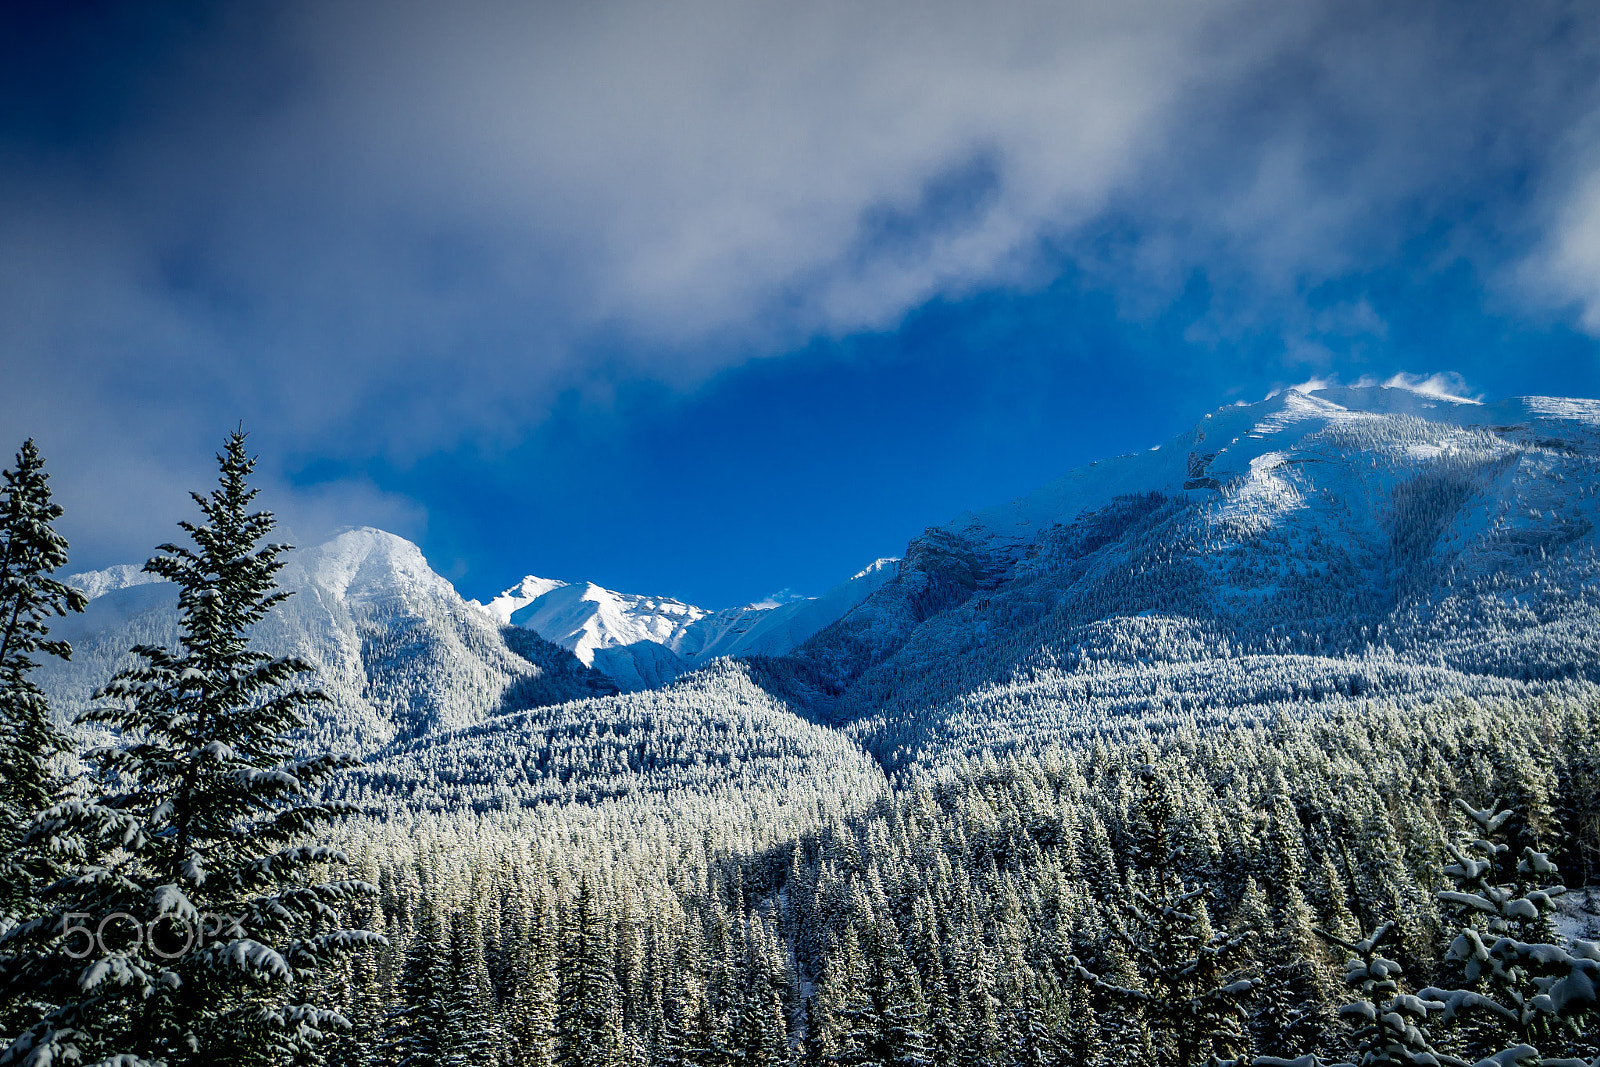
column 640, row 640
column 1577, row 914
column 96, row 584
column 519, row 596
column 363, row 563
column 1249, row 441
column 1268, row 563
column 585, row 618
column 391, row 641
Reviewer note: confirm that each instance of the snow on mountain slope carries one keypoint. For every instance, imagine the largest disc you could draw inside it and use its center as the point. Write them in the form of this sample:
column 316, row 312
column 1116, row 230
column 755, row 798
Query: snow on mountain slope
column 519, row 596
column 121, row 576
column 1447, row 546
column 644, row 641
column 713, row 737
column 1226, row 442
column 393, row 644
column 771, row 629
column 1326, row 545
column 586, row 617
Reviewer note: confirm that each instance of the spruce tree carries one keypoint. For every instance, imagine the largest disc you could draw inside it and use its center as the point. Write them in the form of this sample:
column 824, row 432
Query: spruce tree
column 416, row 1033
column 1520, row 991
column 588, row 1016
column 1189, row 992
column 30, row 551
column 1390, row 1025
column 531, row 1013
column 197, row 832
column 472, row 1033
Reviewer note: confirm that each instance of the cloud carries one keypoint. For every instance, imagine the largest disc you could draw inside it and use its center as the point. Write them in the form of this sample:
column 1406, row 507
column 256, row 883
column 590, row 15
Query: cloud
column 1447, row 384
column 382, row 230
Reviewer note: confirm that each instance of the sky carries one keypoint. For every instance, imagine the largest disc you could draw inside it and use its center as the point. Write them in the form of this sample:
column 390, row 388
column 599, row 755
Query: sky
column 712, row 299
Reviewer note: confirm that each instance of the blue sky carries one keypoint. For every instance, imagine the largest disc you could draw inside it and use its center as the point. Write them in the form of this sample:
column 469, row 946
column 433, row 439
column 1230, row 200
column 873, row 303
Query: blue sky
column 711, row 299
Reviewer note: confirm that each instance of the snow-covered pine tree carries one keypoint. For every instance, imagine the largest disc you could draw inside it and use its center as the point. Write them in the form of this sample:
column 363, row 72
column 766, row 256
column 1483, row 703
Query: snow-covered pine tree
column 472, row 1033
column 1190, row 991
column 843, row 1020
column 416, row 1032
column 588, row 1017
column 360, row 1045
column 903, row 1039
column 1390, row 1026
column 30, row 550
column 1525, row 992
column 531, row 1013
column 199, row 832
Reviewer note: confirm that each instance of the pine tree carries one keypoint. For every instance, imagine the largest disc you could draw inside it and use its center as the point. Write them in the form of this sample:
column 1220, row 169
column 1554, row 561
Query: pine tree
column 198, row 833
column 417, row 1028
column 30, row 550
column 904, row 1040
column 1086, row 1045
column 588, row 1017
column 1390, row 1026
column 531, row 1022
column 843, row 1017
column 1521, row 989
column 360, row 1045
column 472, row 1034
column 1190, row 992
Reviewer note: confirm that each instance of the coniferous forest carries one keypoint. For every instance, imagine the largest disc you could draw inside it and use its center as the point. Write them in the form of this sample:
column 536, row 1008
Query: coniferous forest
column 767, row 863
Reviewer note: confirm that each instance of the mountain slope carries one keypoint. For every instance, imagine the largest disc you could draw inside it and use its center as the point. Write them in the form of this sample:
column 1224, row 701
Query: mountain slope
column 644, row 641
column 392, row 643
column 713, row 733
column 1334, row 545
column 1318, row 548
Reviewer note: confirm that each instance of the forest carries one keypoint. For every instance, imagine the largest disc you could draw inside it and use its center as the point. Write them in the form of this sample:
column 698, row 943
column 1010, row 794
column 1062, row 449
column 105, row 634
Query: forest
column 715, row 873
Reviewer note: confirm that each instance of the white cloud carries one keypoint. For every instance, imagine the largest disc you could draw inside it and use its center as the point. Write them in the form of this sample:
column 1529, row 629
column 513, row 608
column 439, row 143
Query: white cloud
column 383, row 229
column 1447, row 384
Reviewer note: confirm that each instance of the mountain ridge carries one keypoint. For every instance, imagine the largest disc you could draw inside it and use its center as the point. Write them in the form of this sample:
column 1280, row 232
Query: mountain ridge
column 1338, row 544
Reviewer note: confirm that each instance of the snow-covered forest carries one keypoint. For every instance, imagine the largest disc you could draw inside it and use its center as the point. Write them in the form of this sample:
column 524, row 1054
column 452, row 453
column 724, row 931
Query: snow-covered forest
column 1273, row 744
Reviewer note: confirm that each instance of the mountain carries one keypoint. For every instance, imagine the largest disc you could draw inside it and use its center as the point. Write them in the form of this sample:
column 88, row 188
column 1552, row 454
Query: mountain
column 1319, row 547
column 644, row 641
column 395, row 647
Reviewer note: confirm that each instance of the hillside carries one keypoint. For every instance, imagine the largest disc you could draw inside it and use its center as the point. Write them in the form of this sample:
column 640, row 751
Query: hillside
column 1332, row 545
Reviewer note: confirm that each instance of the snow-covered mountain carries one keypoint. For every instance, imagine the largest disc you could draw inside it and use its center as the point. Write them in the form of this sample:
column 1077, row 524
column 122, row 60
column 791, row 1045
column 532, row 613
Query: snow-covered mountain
column 646, row 641
column 397, row 649
column 1328, row 544
column 1322, row 547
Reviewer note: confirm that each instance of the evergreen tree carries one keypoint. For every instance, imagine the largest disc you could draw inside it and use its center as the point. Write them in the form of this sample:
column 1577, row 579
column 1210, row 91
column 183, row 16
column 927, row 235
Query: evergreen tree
column 843, row 1015
column 1523, row 991
column 30, row 550
column 1086, row 1046
column 531, row 1022
column 417, row 1034
column 472, row 1034
column 197, row 834
column 903, row 1039
column 1390, row 1026
column 1189, row 993
column 588, row 1017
